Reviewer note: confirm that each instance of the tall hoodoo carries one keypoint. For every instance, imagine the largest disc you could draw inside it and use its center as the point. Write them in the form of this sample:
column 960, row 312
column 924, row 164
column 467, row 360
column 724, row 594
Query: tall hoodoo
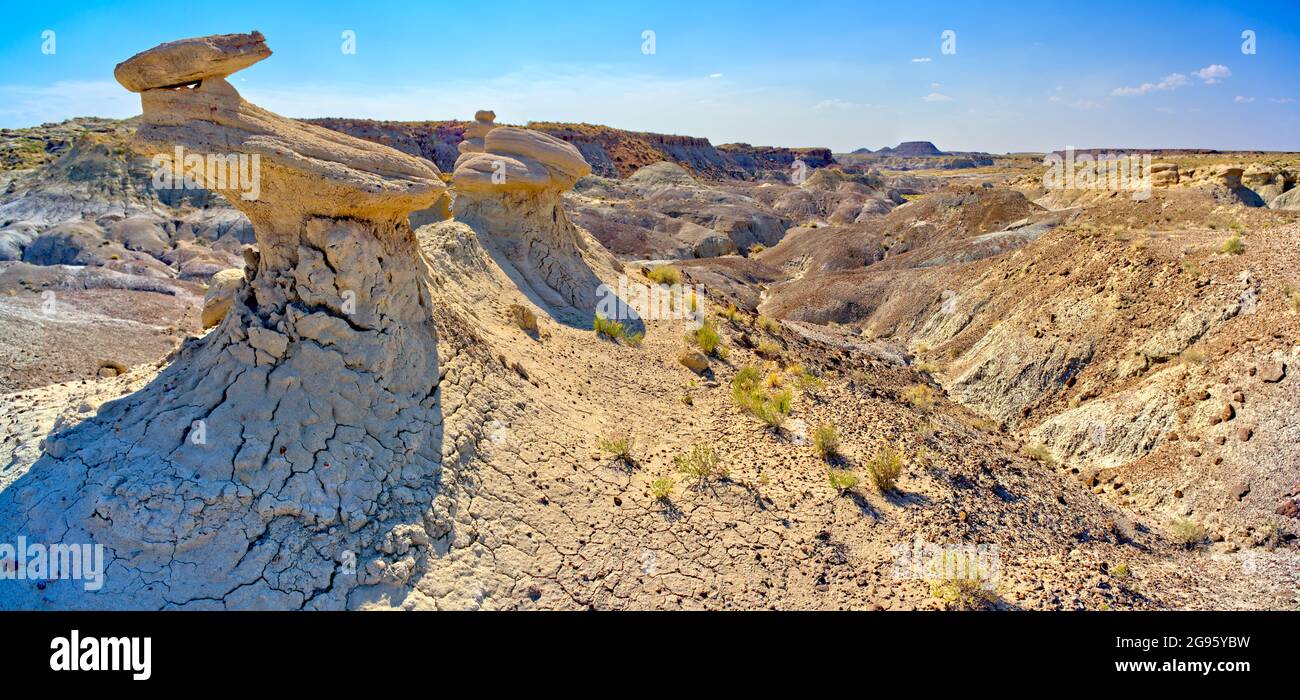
column 508, row 182
column 306, row 428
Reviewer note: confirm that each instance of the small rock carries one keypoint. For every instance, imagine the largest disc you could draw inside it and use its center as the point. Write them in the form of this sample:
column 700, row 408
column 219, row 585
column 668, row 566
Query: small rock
column 1274, row 372
column 1244, row 433
column 694, row 360
column 1240, row 490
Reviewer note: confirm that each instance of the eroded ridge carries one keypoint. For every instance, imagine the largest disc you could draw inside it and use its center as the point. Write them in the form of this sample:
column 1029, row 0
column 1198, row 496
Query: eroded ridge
column 508, row 182
column 291, row 455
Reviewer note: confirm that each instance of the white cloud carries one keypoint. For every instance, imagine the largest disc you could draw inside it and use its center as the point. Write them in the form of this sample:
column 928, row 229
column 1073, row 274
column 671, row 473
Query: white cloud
column 715, row 75
column 935, row 86
column 1242, row 100
column 1281, row 100
column 1173, row 81
column 26, row 105
column 936, row 97
column 834, row 103
column 1213, row 74
column 926, row 59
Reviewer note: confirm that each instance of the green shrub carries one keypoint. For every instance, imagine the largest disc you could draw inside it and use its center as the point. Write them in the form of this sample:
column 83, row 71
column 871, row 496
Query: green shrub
column 1233, row 246
column 885, row 468
column 619, row 447
column 607, row 328
column 1120, row 570
column 731, row 313
column 920, row 397
column 842, row 480
column 963, row 592
column 662, row 489
column 1040, row 453
column 770, row 407
column 757, row 248
column 705, row 337
column 1188, row 533
column 826, row 441
column 665, row 274
column 701, row 464
column 763, row 323
column 768, row 349
column 616, row 331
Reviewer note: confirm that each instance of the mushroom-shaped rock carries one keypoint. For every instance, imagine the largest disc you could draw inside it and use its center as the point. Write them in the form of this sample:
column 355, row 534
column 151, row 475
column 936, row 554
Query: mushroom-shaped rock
column 510, row 194
column 307, row 425
column 190, row 61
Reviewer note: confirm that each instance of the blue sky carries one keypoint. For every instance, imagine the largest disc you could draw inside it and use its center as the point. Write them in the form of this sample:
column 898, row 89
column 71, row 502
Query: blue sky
column 1024, row 76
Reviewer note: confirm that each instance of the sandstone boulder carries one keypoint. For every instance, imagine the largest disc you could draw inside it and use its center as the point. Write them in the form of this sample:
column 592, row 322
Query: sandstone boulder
column 222, row 289
column 191, row 60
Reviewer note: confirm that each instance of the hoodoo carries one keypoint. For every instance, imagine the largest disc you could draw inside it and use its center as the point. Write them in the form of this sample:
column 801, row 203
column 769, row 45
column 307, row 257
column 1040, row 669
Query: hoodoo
column 508, row 182
column 306, row 428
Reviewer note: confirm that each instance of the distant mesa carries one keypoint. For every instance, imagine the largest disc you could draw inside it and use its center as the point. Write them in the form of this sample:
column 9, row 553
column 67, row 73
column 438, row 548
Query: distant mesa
column 909, row 149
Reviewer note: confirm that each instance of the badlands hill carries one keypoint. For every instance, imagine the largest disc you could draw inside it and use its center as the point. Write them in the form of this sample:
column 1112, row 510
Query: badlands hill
column 377, row 383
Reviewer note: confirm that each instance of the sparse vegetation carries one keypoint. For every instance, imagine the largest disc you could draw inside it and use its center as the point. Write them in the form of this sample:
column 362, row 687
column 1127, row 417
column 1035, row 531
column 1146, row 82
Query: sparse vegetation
column 731, row 313
column 615, row 331
column 701, row 464
column 826, row 441
column 1188, row 533
column 768, row 349
column 1120, row 570
column 1292, row 296
column 619, row 447
column 842, row 480
column 963, row 592
column 769, row 325
column 757, row 248
column 665, row 274
column 885, row 468
column 770, row 407
column 1192, row 356
column 705, row 338
column 1040, row 453
column 1233, row 246
column 920, row 397
column 662, row 489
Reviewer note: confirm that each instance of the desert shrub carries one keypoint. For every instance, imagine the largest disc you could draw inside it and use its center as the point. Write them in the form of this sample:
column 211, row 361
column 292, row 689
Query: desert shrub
column 771, row 408
column 705, row 337
column 1292, row 298
column 926, row 367
column 1188, row 533
column 731, row 313
column 1233, row 246
column 963, row 592
column 1040, row 453
column 757, row 248
column 842, row 480
column 701, row 464
column 826, row 441
column 1193, row 356
column 885, row 468
column 768, row 349
column 1120, row 570
column 763, row 323
column 661, row 489
column 607, row 328
column 920, row 397
column 665, row 274
column 618, row 447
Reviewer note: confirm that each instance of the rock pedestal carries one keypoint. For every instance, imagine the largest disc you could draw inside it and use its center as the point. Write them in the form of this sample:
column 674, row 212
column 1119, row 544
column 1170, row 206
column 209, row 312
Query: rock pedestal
column 509, row 192
column 306, row 428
